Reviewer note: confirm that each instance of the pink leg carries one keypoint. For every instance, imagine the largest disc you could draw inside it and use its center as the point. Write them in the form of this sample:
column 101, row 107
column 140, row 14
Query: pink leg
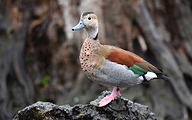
column 115, row 93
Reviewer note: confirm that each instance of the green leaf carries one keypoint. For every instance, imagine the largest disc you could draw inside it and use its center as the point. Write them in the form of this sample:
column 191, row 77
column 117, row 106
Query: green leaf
column 45, row 81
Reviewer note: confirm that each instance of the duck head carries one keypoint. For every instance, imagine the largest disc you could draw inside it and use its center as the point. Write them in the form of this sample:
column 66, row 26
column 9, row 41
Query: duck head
column 88, row 21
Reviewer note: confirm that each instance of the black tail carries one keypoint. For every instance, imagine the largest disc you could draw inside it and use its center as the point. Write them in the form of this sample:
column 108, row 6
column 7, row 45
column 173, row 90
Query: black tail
column 161, row 76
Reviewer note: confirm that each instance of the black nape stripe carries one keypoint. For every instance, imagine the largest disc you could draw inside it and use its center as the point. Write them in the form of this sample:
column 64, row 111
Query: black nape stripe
column 144, row 78
column 95, row 38
column 86, row 13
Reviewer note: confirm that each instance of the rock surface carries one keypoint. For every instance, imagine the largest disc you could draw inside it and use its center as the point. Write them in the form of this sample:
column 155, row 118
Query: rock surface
column 119, row 109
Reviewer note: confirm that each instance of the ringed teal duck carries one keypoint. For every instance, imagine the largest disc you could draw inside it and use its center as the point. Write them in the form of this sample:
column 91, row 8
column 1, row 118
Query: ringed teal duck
column 111, row 66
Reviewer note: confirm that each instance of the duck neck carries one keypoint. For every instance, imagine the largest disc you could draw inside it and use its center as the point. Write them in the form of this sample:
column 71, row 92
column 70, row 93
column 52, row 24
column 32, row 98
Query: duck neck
column 93, row 33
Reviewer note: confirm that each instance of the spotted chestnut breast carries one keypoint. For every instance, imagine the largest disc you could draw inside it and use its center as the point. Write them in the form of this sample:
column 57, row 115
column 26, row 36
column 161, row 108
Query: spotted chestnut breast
column 90, row 60
column 86, row 55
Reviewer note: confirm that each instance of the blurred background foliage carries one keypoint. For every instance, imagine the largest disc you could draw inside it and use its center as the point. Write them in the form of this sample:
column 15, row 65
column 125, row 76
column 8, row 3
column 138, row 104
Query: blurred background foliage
column 39, row 52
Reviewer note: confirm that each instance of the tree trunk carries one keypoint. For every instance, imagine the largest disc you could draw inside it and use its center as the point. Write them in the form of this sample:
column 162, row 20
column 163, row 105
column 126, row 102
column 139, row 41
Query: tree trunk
column 39, row 52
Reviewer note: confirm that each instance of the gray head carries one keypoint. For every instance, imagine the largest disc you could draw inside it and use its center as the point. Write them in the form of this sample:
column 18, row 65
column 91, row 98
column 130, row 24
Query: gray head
column 89, row 21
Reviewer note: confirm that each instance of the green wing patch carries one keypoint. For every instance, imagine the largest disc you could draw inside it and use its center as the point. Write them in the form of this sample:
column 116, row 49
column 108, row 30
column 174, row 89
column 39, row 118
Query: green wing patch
column 138, row 70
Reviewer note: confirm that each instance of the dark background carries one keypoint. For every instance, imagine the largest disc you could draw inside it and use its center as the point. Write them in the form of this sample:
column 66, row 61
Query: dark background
column 39, row 52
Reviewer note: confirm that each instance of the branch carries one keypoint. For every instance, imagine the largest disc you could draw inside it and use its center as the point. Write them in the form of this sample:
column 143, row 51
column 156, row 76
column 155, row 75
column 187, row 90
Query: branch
column 163, row 54
column 6, row 60
column 18, row 62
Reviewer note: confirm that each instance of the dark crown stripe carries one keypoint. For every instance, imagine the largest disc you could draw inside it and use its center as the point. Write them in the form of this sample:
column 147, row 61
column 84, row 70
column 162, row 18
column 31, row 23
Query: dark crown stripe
column 86, row 13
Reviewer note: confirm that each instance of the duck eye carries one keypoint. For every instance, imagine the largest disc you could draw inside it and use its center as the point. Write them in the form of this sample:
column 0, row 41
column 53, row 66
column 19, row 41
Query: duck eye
column 89, row 18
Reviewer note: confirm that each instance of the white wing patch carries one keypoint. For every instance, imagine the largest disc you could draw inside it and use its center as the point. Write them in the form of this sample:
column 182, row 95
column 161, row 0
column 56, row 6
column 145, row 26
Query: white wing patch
column 150, row 75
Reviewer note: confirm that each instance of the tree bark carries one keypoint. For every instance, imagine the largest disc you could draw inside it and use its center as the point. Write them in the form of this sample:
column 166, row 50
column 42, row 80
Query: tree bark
column 39, row 52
